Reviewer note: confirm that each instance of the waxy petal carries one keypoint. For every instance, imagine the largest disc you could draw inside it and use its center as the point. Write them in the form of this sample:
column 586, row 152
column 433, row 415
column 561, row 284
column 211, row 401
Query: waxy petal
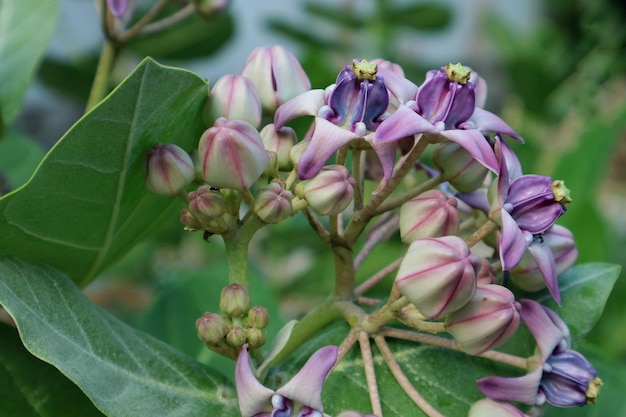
column 546, row 328
column 306, row 386
column 327, row 139
column 475, row 143
column 403, row 123
column 486, row 121
column 547, row 267
column 522, row 389
column 254, row 398
column 386, row 153
column 513, row 243
column 305, row 104
column 400, row 89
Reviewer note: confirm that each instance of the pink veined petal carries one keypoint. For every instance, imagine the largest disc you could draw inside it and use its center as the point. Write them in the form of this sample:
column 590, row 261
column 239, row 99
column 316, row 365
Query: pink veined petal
column 386, row 153
column 546, row 332
column 305, row 104
column 401, row 124
column 306, row 386
column 486, row 121
column 545, row 261
column 513, row 243
column 507, row 157
column 522, row 389
column 327, row 138
column 253, row 397
column 475, row 143
column 400, row 88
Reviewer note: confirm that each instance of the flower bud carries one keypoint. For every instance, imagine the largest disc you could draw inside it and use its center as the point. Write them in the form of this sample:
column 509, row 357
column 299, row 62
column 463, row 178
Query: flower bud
column 296, row 152
column 206, row 204
column 273, row 203
column 211, row 328
column 490, row 408
column 279, row 141
column 527, row 276
column 236, row 337
column 276, row 74
column 330, row 191
column 254, row 337
column 232, row 154
column 258, row 317
column 431, row 214
column 169, row 169
column 438, row 275
column 235, row 98
column 487, row 321
column 459, row 167
column 189, row 222
column 486, row 275
column 235, row 300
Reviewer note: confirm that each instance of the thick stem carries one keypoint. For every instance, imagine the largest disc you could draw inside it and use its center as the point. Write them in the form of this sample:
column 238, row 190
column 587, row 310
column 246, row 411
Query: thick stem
column 344, row 269
column 479, row 234
column 370, row 373
column 236, row 243
column 357, row 174
column 100, row 86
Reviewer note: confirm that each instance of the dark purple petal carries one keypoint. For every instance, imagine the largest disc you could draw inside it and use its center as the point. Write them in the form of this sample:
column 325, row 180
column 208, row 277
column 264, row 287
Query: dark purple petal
column 327, row 139
column 475, row 143
column 435, row 97
column 531, row 202
column 305, row 104
column 462, row 106
column 488, row 122
column 374, row 100
column 401, row 124
column 522, row 389
column 572, row 365
column 346, row 96
column 546, row 328
column 513, row 243
column 545, row 262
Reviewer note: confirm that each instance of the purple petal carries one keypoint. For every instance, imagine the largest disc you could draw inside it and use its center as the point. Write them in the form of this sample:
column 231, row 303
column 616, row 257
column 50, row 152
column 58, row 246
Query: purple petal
column 117, row 7
column 562, row 392
column 403, row 123
column 546, row 332
column 400, row 88
column 462, row 106
column 475, row 143
column 545, row 262
column 486, row 121
column 522, row 389
column 386, row 153
column 306, row 386
column 513, row 243
column 305, row 104
column 476, row 199
column 508, row 158
column 327, row 138
column 254, row 398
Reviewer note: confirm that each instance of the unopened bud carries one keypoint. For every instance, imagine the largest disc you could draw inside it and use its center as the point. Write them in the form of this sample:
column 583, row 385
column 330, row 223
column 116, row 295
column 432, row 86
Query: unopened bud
column 330, row 191
column 489, row 319
column 486, row 274
column 458, row 167
column 295, row 153
column 211, row 328
column 273, row 203
column 169, row 169
column 206, row 204
column 258, row 317
column 236, row 337
column 279, row 141
column 235, row 300
column 490, row 408
column 189, row 222
column 431, row 214
column 234, row 97
column 438, row 275
column 254, row 337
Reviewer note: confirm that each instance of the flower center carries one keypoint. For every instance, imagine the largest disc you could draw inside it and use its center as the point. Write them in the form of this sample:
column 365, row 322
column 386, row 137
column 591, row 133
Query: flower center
column 561, row 192
column 364, row 70
column 457, row 73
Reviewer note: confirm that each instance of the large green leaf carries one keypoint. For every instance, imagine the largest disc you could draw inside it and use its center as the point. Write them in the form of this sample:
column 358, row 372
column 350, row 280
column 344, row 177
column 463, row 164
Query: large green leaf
column 86, row 204
column 123, row 371
column 35, row 388
column 25, row 27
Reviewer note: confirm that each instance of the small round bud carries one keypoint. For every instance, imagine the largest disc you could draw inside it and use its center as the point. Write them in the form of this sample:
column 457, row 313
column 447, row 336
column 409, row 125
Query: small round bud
column 236, row 337
column 235, row 300
column 232, row 154
column 234, row 97
column 206, row 204
column 258, row 317
column 489, row 319
column 296, row 151
column 490, row 408
column 211, row 328
column 189, row 222
column 330, row 191
column 438, row 275
column 255, row 338
column 273, row 203
column 279, row 141
column 458, row 167
column 431, row 214
column 169, row 169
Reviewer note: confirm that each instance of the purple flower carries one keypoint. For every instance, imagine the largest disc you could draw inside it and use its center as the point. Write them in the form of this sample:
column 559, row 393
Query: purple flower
column 445, row 105
column 117, row 7
column 302, row 394
column 526, row 206
column 349, row 110
column 562, row 377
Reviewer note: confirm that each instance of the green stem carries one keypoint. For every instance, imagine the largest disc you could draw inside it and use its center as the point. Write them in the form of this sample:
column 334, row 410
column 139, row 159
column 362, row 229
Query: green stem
column 236, row 243
column 479, row 234
column 344, row 269
column 147, row 18
column 100, row 86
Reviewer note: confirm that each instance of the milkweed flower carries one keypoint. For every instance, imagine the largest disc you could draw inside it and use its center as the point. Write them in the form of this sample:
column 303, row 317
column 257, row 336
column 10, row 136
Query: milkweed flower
column 302, row 394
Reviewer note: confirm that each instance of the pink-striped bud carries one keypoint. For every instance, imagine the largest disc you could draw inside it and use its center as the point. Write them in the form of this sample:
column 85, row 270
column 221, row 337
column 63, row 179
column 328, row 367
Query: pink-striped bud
column 273, row 203
column 169, row 169
column 431, row 214
column 258, row 317
column 211, row 328
column 276, row 74
column 206, row 204
column 459, row 167
column 279, row 141
column 235, row 98
column 438, row 275
column 232, row 154
column 330, row 191
column 189, row 222
column 489, row 319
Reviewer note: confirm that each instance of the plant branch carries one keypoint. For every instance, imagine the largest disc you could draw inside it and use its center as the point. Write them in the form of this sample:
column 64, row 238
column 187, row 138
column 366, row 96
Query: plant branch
column 374, row 279
column 480, row 233
column 414, row 192
column 370, row 373
column 141, row 23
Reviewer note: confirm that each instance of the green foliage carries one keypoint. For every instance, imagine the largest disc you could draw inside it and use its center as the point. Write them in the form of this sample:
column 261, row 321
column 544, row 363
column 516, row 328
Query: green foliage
column 19, row 157
column 87, row 204
column 123, row 371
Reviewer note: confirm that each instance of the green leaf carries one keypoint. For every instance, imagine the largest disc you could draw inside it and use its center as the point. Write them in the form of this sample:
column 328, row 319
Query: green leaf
column 123, row 371
column 32, row 388
column 87, row 204
column 19, row 157
column 25, row 28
